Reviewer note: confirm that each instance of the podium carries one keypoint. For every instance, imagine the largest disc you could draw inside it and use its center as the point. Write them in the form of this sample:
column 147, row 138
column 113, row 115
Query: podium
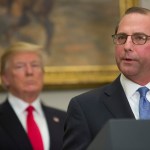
column 123, row 134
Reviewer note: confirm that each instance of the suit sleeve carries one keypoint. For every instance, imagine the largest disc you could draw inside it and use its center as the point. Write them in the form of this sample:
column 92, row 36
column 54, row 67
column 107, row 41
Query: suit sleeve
column 77, row 134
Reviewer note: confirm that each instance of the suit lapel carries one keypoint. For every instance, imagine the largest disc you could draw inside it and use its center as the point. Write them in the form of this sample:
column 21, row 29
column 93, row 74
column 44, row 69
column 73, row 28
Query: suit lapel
column 11, row 124
column 55, row 126
column 117, row 102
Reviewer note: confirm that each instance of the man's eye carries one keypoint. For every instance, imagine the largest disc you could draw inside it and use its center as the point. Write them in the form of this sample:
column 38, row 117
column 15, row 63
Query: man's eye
column 19, row 66
column 120, row 37
column 36, row 65
column 140, row 37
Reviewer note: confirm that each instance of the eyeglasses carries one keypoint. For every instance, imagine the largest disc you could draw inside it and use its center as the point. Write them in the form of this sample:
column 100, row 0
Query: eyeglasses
column 138, row 39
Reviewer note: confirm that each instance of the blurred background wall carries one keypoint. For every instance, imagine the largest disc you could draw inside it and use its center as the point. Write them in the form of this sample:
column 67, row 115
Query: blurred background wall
column 61, row 98
column 57, row 98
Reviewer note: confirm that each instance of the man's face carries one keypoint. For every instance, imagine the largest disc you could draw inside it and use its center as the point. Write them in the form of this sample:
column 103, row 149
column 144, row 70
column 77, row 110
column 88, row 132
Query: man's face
column 24, row 74
column 133, row 60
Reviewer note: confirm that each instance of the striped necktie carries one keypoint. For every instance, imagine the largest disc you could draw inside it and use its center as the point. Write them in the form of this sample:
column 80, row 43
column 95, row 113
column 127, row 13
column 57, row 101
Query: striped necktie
column 144, row 104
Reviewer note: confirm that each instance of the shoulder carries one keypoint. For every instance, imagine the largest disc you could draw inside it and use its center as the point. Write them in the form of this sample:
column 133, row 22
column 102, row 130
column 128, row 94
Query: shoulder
column 91, row 94
column 98, row 94
column 54, row 111
column 5, row 105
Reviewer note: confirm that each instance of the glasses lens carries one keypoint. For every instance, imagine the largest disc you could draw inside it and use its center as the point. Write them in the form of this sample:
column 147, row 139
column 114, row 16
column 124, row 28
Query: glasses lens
column 119, row 38
column 139, row 39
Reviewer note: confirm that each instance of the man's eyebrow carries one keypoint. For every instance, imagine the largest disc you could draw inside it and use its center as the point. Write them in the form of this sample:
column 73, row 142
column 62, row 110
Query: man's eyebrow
column 138, row 33
column 122, row 33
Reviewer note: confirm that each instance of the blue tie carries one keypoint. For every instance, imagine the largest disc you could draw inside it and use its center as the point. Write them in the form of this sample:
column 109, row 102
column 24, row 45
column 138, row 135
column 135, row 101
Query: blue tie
column 144, row 104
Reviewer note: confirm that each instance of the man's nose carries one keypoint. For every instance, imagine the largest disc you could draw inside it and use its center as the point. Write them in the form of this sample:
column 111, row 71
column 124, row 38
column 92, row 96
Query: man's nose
column 128, row 44
column 29, row 69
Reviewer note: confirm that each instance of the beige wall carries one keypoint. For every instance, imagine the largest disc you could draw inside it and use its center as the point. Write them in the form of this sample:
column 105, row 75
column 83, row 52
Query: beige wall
column 57, row 99
column 145, row 3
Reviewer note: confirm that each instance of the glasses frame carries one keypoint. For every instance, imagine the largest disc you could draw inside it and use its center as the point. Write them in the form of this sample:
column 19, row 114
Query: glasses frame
column 132, row 37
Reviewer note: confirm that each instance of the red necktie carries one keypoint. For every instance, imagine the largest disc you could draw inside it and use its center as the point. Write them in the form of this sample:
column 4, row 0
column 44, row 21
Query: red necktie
column 33, row 131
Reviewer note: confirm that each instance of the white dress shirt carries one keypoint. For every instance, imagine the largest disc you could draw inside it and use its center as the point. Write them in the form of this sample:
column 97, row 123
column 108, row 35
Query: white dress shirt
column 133, row 96
column 19, row 106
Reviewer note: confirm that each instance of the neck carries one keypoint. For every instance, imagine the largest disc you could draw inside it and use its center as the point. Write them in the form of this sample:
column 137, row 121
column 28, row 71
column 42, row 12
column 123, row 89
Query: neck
column 27, row 97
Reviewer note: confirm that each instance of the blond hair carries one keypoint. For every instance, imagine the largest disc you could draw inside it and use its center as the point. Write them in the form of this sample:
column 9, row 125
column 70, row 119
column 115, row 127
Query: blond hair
column 19, row 47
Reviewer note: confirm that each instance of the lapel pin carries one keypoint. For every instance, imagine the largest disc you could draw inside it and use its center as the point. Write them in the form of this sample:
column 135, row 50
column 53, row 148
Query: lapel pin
column 56, row 119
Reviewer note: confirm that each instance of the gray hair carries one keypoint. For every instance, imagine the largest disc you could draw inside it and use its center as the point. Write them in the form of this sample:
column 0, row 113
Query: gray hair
column 131, row 10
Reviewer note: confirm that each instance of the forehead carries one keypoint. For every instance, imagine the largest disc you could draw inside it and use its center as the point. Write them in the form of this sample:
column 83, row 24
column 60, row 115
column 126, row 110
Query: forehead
column 25, row 56
column 135, row 22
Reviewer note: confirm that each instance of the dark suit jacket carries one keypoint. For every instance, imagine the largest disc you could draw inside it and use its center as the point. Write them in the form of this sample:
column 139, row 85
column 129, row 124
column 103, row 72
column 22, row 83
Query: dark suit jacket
column 88, row 112
column 13, row 135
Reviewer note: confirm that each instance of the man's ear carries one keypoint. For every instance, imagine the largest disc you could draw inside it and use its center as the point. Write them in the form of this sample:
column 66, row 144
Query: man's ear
column 5, row 81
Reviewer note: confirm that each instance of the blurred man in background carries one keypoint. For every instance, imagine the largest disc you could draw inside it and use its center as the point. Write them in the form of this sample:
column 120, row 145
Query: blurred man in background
column 25, row 122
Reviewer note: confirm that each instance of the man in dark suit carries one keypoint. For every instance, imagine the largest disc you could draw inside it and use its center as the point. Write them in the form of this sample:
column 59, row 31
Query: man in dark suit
column 22, row 73
column 88, row 112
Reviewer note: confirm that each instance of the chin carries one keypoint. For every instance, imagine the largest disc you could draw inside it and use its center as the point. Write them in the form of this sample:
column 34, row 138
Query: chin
column 129, row 72
column 31, row 89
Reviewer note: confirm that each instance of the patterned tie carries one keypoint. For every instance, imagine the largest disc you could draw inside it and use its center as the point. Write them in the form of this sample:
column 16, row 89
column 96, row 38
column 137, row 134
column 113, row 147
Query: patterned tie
column 144, row 104
column 33, row 131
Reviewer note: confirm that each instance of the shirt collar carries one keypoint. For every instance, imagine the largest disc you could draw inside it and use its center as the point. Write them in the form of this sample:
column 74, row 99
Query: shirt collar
column 129, row 86
column 19, row 105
